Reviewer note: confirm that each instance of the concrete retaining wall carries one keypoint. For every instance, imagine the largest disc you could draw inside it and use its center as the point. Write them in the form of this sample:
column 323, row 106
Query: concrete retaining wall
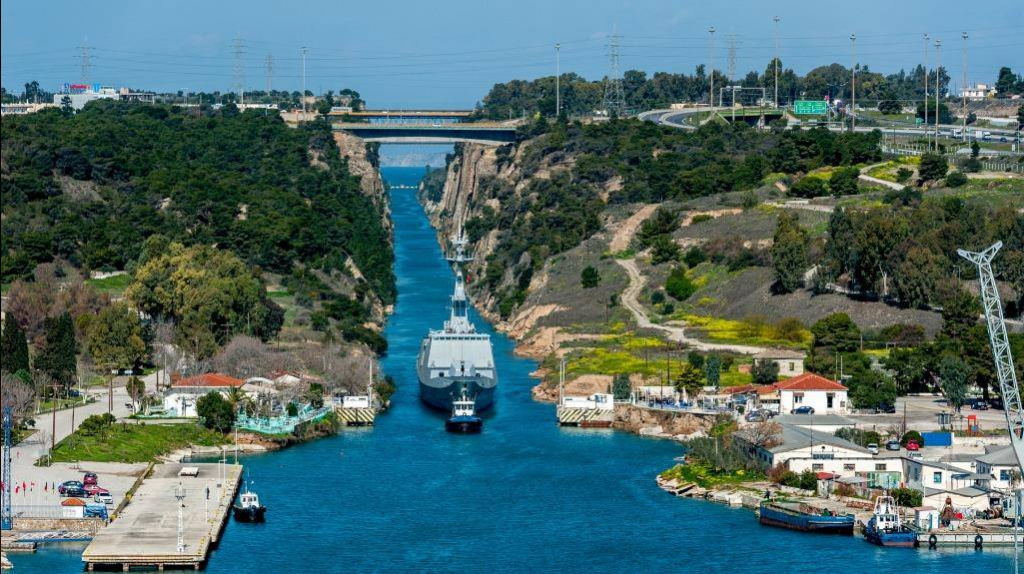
column 89, row 525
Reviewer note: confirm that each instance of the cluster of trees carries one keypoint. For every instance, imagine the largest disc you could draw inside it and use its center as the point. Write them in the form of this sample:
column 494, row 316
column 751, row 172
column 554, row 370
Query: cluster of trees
column 209, row 294
column 583, row 97
column 90, row 187
column 906, row 251
column 657, row 163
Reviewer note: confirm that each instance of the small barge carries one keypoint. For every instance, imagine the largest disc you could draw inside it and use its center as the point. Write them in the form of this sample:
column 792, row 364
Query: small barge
column 803, row 517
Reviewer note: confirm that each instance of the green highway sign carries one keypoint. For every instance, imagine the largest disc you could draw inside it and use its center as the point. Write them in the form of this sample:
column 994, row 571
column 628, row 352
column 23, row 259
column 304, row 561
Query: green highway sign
column 809, row 107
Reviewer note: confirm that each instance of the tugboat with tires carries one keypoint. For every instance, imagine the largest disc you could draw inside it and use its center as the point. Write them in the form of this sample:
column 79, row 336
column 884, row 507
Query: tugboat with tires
column 464, row 418
column 249, row 508
column 886, row 526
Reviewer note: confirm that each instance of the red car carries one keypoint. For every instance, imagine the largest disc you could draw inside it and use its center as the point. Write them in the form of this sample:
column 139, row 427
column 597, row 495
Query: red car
column 912, row 445
column 94, row 489
column 90, row 478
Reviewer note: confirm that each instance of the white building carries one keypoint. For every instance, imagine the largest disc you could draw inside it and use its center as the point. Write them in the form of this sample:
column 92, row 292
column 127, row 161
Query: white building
column 1000, row 465
column 791, row 363
column 979, row 92
column 80, row 94
column 825, row 396
column 805, row 449
column 180, row 399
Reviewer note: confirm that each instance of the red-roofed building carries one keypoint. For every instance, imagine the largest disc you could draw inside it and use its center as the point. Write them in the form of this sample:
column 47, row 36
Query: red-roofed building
column 181, row 398
column 825, row 396
column 72, row 508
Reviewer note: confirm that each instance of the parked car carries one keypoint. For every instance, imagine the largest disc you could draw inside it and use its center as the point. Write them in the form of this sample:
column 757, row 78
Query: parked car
column 103, row 496
column 92, row 489
column 755, row 417
column 885, row 408
column 872, row 448
column 69, row 485
column 74, row 492
column 90, row 478
column 980, row 405
column 892, row 445
column 912, row 445
column 804, row 410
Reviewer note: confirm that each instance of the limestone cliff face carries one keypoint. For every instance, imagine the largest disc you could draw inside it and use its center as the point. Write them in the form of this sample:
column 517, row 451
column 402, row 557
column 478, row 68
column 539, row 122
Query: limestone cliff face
column 486, row 181
column 363, row 164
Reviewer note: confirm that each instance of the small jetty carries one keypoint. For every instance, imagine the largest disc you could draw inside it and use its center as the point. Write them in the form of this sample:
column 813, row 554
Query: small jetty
column 594, row 411
column 977, row 538
column 145, row 533
column 355, row 411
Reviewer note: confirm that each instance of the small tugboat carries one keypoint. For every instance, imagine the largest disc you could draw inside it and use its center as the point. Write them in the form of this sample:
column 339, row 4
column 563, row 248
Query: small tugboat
column 464, row 418
column 249, row 508
column 803, row 517
column 886, row 526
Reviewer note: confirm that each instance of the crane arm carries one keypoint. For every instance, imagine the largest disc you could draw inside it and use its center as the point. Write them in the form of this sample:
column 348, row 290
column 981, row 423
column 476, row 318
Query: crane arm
column 1000, row 344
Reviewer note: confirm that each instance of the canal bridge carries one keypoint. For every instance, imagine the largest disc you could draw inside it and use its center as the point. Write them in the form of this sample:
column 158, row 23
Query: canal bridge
column 431, row 132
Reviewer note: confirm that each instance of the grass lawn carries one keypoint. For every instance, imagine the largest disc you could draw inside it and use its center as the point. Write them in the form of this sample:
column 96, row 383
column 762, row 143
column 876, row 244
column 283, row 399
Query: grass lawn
column 705, row 477
column 734, row 332
column 134, row 442
column 113, row 285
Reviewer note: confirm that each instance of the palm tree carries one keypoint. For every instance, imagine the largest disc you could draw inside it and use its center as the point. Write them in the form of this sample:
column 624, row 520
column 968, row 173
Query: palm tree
column 237, row 398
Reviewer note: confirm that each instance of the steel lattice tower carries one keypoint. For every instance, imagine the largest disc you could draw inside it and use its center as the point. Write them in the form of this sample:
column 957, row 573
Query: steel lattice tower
column 614, row 96
column 239, row 70
column 6, row 516
column 1000, row 343
column 86, row 62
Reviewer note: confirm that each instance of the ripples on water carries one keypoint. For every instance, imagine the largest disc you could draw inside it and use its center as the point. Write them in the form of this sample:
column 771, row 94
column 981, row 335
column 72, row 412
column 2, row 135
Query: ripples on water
column 523, row 496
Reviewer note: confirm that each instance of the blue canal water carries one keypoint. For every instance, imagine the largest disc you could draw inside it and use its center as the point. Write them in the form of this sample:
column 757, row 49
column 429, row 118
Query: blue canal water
column 523, row 496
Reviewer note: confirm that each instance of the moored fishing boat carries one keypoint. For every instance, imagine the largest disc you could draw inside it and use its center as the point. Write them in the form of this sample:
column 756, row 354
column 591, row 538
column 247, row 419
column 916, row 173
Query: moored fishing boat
column 886, row 526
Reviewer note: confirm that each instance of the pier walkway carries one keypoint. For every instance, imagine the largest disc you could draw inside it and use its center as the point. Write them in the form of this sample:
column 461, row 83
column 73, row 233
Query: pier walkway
column 145, row 532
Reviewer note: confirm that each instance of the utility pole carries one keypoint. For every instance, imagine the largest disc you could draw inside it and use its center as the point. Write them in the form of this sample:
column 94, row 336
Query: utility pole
column 963, row 93
column 558, row 81
column 938, row 87
column 711, row 31
column 853, row 85
column 239, row 50
column 927, row 138
column 303, row 98
column 269, row 65
column 179, row 494
column 732, row 75
column 776, row 20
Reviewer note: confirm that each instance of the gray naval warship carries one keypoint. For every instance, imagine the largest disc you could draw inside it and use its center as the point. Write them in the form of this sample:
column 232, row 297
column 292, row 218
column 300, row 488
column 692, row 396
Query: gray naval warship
column 456, row 363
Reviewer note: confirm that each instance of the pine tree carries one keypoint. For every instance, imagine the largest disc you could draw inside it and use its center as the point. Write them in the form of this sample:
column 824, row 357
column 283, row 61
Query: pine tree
column 57, row 358
column 13, row 347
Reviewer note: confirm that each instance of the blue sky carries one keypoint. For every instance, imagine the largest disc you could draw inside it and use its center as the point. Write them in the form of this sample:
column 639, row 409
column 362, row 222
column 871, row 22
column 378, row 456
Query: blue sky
column 448, row 54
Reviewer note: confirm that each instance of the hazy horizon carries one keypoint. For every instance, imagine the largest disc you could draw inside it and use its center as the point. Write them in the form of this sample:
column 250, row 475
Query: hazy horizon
column 425, row 55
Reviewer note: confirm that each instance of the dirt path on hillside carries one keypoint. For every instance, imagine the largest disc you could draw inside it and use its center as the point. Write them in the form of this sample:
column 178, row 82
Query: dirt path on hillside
column 631, row 295
column 630, row 298
column 624, row 234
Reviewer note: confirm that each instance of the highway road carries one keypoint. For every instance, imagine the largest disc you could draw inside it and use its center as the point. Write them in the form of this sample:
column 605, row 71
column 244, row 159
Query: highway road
column 677, row 119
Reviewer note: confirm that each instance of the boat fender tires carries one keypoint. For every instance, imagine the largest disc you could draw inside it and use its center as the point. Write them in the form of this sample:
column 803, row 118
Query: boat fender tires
column 978, row 542
column 933, row 541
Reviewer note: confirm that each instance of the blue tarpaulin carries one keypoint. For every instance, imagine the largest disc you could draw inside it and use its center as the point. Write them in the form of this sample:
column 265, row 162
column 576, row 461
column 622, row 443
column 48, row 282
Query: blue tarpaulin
column 937, row 438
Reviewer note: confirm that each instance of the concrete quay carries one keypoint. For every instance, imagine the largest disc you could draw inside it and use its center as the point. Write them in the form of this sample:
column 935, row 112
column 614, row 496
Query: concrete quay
column 145, row 532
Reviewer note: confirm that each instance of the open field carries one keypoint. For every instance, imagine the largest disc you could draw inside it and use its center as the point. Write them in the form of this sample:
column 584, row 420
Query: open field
column 124, row 442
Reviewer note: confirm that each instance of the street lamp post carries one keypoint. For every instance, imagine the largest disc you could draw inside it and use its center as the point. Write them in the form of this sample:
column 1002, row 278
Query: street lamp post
column 938, row 88
column 711, row 31
column 304, row 50
column 179, row 494
column 853, row 85
column 558, row 81
column 963, row 94
column 927, row 139
column 776, row 20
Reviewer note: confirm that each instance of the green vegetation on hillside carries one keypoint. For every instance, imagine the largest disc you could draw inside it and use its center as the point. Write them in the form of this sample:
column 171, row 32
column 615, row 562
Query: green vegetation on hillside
column 89, row 188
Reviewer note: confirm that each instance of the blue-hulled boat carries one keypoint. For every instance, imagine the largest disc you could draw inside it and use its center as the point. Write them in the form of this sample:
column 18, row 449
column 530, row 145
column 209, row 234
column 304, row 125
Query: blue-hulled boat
column 886, row 526
column 798, row 516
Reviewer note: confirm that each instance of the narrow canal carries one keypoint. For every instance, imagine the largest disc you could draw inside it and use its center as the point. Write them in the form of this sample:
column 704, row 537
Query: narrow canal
column 522, row 496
